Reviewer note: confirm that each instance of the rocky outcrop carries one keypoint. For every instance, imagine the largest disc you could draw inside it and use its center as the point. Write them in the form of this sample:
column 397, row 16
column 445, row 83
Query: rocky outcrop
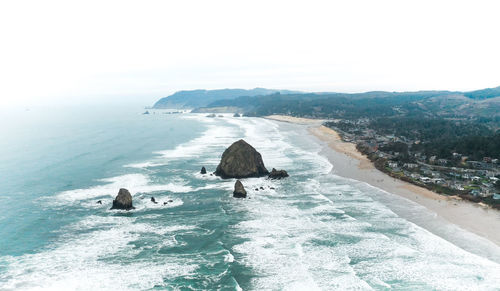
column 239, row 190
column 203, row 170
column 241, row 160
column 123, row 200
column 277, row 174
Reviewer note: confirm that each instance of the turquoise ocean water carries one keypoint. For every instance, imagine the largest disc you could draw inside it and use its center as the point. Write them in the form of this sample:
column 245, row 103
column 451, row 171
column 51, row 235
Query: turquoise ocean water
column 314, row 231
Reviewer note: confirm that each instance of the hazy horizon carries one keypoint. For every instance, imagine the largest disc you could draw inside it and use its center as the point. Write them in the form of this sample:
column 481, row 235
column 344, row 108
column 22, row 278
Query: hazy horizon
column 117, row 51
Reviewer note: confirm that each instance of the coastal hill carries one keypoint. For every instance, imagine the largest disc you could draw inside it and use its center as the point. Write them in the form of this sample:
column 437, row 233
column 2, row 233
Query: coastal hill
column 201, row 98
column 480, row 104
column 445, row 141
column 449, row 104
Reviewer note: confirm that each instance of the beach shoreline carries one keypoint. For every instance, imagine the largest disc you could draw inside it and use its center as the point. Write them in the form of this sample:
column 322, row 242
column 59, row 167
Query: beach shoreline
column 475, row 218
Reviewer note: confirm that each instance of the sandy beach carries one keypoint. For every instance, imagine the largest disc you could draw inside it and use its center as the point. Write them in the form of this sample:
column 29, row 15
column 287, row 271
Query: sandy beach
column 350, row 163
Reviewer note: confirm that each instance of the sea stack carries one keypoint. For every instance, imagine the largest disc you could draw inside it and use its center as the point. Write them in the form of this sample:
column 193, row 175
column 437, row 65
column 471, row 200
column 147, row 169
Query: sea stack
column 239, row 190
column 241, row 160
column 123, row 200
column 277, row 174
column 203, row 170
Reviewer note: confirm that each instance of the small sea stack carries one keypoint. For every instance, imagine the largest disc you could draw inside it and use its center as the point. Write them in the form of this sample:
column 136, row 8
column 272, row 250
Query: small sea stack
column 241, row 160
column 123, row 200
column 153, row 200
column 203, row 170
column 277, row 174
column 239, row 190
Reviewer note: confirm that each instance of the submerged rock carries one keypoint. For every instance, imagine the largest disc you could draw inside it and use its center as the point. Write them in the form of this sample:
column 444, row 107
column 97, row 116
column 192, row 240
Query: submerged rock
column 241, row 160
column 123, row 200
column 153, row 200
column 239, row 190
column 99, row 202
column 203, row 170
column 236, row 115
column 146, row 113
column 277, row 174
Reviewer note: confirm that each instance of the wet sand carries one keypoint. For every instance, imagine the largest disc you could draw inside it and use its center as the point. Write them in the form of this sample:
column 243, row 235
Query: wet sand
column 350, row 163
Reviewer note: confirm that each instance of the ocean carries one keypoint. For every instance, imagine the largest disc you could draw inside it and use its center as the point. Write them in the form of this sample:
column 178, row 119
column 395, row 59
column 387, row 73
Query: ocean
column 312, row 231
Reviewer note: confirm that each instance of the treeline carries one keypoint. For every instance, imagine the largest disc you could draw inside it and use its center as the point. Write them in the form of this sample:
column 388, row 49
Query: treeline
column 442, row 138
column 333, row 106
column 431, row 136
column 426, row 104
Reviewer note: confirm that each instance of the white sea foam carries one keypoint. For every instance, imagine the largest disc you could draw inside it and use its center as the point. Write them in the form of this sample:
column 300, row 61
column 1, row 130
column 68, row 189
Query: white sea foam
column 99, row 260
column 215, row 136
column 346, row 240
column 313, row 231
column 143, row 165
column 135, row 183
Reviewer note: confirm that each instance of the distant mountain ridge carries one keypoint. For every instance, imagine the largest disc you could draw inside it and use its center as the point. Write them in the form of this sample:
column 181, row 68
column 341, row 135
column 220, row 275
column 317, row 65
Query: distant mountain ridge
column 191, row 99
column 480, row 104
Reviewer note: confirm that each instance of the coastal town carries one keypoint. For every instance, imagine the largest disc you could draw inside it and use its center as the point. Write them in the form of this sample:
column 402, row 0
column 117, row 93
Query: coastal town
column 400, row 157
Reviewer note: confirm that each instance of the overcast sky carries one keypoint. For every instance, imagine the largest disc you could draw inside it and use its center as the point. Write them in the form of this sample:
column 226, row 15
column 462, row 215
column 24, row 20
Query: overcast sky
column 104, row 51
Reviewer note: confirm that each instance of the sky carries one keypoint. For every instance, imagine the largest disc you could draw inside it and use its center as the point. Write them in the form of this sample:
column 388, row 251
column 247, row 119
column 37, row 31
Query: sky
column 105, row 52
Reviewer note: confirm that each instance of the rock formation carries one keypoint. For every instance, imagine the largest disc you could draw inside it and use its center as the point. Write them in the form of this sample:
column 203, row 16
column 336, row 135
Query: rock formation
column 239, row 190
column 277, row 174
column 153, row 200
column 241, row 160
column 123, row 200
column 203, row 170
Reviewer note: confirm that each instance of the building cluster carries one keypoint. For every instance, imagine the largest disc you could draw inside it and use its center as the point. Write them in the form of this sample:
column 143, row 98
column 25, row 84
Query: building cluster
column 456, row 175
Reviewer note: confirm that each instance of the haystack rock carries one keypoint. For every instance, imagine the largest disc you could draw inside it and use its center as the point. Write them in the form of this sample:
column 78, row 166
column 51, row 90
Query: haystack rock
column 203, row 170
column 239, row 190
column 241, row 160
column 123, row 200
column 277, row 174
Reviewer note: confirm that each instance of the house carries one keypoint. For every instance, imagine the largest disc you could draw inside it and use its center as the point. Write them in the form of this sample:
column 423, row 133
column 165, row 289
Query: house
column 393, row 164
column 410, row 165
column 442, row 162
column 425, row 179
column 414, row 176
column 438, row 181
column 496, row 196
column 485, row 192
column 475, row 192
